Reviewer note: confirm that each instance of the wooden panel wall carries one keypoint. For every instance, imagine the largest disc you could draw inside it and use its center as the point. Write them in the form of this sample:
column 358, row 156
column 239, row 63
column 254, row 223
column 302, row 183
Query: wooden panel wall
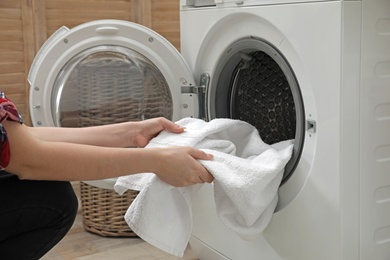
column 16, row 51
column 52, row 14
column 26, row 24
column 163, row 17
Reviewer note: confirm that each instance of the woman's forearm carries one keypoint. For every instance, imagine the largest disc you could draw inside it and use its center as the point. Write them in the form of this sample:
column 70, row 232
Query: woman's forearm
column 35, row 159
column 116, row 135
column 70, row 162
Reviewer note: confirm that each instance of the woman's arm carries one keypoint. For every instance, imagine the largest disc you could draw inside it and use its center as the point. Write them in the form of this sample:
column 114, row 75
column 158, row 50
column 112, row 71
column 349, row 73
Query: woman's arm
column 116, row 135
column 39, row 159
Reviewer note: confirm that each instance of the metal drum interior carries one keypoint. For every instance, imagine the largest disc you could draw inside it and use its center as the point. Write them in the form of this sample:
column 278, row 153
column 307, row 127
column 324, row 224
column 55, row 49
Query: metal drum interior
column 256, row 84
column 109, row 84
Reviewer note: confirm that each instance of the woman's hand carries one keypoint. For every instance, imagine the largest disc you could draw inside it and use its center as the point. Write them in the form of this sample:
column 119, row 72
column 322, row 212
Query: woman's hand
column 148, row 129
column 178, row 166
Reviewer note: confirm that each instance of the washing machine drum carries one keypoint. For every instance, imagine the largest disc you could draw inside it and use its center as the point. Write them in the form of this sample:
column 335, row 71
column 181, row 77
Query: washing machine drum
column 256, row 84
column 262, row 96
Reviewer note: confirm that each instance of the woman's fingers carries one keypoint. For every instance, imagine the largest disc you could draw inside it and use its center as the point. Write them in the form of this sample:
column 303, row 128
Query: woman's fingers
column 170, row 126
column 179, row 166
column 200, row 155
column 204, row 174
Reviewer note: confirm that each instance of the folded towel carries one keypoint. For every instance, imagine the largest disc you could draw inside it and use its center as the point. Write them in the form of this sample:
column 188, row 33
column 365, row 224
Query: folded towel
column 247, row 176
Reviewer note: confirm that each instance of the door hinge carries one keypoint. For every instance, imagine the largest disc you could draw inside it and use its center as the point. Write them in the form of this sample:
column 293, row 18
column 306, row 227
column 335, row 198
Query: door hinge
column 202, row 92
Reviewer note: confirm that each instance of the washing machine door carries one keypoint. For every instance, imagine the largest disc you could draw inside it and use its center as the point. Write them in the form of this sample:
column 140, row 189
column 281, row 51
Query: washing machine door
column 109, row 71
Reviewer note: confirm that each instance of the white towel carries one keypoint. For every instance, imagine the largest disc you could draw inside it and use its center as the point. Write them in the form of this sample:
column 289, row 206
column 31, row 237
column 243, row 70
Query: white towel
column 247, row 175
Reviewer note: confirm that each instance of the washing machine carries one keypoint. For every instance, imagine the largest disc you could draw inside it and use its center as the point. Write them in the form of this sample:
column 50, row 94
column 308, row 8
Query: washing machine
column 314, row 71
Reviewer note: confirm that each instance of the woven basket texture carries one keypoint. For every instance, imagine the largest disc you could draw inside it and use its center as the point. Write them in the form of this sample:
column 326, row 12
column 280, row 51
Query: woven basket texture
column 103, row 211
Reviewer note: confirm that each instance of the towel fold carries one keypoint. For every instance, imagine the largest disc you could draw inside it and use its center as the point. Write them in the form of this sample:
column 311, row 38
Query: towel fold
column 247, row 176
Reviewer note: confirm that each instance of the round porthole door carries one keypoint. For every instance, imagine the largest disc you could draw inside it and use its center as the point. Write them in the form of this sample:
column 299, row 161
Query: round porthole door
column 108, row 71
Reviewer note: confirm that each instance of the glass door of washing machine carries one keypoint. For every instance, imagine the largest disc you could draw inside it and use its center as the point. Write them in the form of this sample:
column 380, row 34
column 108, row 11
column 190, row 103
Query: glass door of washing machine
column 109, row 71
column 103, row 86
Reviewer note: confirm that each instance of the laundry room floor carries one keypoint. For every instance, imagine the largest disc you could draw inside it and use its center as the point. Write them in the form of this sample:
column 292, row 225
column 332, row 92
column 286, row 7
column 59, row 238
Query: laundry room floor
column 82, row 245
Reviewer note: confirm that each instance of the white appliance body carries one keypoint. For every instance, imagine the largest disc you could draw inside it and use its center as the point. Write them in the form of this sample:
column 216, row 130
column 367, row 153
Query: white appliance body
column 335, row 204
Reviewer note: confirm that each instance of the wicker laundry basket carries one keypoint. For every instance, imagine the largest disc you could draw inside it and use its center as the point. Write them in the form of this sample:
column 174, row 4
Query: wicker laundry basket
column 103, row 211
